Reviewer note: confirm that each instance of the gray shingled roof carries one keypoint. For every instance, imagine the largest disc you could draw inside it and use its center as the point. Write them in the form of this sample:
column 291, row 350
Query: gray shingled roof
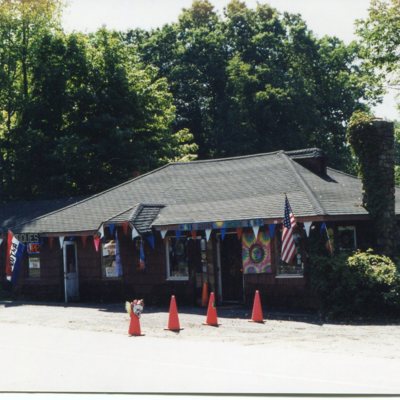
column 141, row 216
column 305, row 153
column 239, row 188
column 18, row 212
column 127, row 215
column 144, row 218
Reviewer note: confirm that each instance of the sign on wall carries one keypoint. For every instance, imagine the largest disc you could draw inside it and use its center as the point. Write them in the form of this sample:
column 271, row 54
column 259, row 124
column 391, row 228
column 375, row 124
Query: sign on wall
column 33, row 248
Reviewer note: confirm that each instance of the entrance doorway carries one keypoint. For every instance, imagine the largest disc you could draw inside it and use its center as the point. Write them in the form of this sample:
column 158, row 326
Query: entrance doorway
column 71, row 280
column 230, row 268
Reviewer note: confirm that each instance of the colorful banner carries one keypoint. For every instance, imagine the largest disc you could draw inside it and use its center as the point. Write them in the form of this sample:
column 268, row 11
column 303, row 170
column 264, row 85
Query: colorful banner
column 256, row 253
column 15, row 254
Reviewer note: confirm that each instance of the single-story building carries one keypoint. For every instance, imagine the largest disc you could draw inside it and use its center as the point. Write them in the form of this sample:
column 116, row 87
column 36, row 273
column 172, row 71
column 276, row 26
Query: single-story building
column 173, row 229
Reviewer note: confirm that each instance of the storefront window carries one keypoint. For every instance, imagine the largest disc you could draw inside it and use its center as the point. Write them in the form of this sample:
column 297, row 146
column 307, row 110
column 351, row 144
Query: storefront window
column 177, row 259
column 347, row 238
column 109, row 260
column 296, row 266
column 33, row 250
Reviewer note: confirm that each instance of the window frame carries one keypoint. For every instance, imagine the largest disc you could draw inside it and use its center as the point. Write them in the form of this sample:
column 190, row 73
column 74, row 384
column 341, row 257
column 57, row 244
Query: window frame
column 103, row 267
column 285, row 275
column 347, row 227
column 168, row 265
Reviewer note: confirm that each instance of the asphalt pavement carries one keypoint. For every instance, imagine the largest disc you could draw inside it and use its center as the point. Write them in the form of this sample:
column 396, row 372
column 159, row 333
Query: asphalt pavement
column 46, row 359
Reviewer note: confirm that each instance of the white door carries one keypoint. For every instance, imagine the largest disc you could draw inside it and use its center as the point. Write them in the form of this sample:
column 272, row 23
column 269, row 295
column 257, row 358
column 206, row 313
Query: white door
column 71, row 282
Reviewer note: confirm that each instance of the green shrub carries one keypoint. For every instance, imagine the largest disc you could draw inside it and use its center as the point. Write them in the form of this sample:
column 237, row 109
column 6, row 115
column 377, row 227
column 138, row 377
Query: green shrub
column 361, row 284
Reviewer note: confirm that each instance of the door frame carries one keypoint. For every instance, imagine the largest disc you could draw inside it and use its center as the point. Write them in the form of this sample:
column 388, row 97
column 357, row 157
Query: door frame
column 65, row 244
column 220, row 292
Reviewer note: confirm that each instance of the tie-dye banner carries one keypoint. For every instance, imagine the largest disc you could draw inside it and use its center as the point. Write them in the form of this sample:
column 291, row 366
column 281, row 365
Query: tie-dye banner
column 256, row 253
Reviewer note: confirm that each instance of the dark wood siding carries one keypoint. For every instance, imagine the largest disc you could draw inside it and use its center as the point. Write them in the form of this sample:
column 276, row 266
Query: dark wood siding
column 152, row 284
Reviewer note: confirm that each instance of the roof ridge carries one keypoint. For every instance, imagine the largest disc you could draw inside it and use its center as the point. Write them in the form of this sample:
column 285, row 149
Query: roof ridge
column 225, row 158
column 353, row 176
column 313, row 200
column 343, row 173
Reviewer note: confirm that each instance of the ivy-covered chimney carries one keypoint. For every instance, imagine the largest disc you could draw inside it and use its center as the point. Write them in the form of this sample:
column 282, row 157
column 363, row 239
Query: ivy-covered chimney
column 373, row 143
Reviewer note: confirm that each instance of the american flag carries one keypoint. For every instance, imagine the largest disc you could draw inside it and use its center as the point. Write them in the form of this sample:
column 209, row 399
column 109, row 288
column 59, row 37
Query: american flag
column 288, row 245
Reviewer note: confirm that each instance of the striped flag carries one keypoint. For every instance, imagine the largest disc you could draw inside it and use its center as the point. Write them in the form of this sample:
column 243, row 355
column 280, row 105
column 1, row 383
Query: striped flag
column 15, row 251
column 288, row 245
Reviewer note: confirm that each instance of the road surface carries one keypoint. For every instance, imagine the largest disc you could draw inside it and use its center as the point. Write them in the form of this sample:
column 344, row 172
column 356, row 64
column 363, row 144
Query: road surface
column 42, row 357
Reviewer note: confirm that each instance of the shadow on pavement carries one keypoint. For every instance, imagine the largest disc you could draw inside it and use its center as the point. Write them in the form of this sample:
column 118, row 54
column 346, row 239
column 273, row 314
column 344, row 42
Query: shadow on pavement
column 234, row 311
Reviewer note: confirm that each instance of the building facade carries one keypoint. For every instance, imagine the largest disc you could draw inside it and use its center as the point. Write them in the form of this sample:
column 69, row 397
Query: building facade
column 186, row 224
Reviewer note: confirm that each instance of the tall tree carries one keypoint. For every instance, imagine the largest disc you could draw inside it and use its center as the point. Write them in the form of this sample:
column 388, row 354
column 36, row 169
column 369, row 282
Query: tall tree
column 95, row 116
column 22, row 25
column 191, row 54
column 257, row 80
column 380, row 38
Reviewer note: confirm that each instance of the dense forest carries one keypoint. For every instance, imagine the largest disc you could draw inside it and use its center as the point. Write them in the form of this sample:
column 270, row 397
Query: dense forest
column 83, row 112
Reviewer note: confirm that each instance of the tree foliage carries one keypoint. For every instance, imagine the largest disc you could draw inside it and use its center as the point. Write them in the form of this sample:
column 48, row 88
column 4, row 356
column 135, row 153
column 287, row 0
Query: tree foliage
column 380, row 38
column 82, row 112
column 255, row 80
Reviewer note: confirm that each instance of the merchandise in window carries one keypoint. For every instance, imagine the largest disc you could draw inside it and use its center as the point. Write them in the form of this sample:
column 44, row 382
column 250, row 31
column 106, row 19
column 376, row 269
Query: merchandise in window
column 108, row 260
column 177, row 259
column 296, row 266
column 33, row 250
column 347, row 237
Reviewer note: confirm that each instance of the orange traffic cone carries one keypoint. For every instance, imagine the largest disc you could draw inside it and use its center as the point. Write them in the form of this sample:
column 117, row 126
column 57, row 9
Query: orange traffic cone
column 204, row 295
column 134, row 326
column 173, row 320
column 257, row 315
column 211, row 312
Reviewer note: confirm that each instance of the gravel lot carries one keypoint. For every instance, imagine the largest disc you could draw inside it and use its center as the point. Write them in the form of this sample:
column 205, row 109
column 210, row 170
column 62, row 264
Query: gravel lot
column 302, row 331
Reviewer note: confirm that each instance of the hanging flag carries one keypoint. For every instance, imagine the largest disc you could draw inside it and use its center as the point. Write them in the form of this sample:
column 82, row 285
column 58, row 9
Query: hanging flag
column 135, row 233
column 288, row 245
column 142, row 264
column 118, row 264
column 101, row 231
column 223, row 231
column 111, row 227
column 163, row 233
column 178, row 234
column 239, row 232
column 194, row 234
column 271, row 228
column 307, row 227
column 325, row 232
column 61, row 239
column 125, row 226
column 208, row 233
column 255, row 231
column 150, row 239
column 10, row 236
column 14, row 257
column 96, row 240
column 51, row 238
